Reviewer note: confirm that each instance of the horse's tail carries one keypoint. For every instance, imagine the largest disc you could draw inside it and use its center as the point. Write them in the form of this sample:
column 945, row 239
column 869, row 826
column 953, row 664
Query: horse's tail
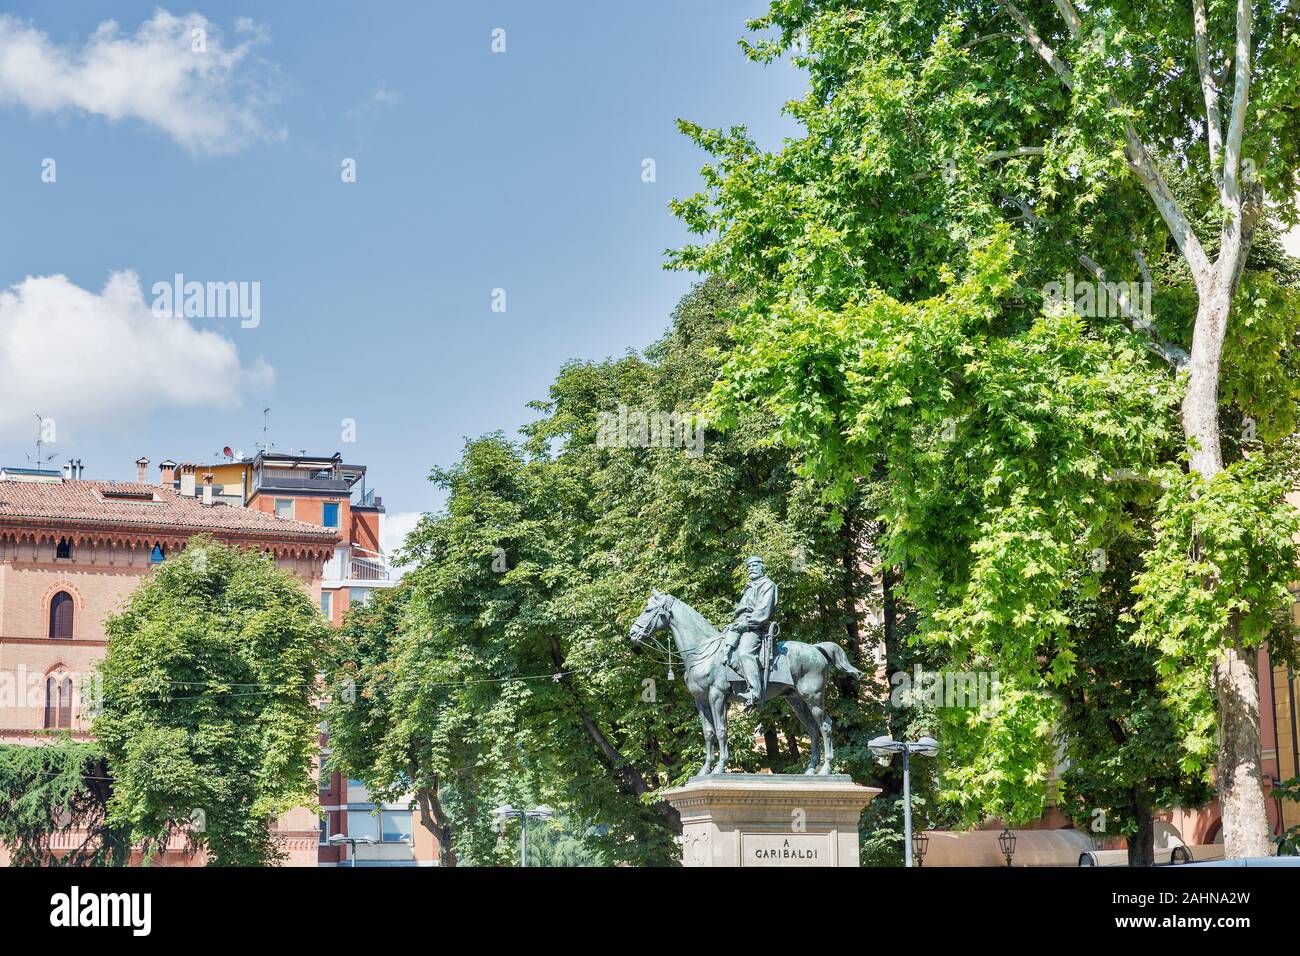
column 835, row 655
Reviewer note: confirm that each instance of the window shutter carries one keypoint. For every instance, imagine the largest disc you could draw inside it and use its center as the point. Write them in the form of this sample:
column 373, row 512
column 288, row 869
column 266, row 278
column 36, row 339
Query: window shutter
column 61, row 609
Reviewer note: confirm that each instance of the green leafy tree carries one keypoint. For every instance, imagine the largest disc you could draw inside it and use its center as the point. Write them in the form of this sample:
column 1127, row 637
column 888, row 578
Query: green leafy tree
column 909, row 255
column 1125, row 756
column 382, row 731
column 511, row 677
column 1288, row 841
column 59, row 787
column 560, row 842
column 209, row 720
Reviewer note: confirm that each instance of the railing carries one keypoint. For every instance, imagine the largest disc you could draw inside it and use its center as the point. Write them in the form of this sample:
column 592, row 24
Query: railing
column 75, row 838
column 368, row 569
column 361, row 564
column 276, row 483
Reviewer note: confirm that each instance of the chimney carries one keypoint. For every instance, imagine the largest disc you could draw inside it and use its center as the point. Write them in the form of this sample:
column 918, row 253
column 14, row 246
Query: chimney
column 207, row 489
column 141, row 470
column 67, row 470
column 188, row 473
column 168, row 476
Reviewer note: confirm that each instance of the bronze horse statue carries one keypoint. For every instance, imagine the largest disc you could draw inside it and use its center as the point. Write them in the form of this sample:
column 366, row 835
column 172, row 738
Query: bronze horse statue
column 714, row 684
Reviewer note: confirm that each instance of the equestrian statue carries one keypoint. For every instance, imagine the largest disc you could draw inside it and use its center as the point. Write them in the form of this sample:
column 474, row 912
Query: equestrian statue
column 746, row 662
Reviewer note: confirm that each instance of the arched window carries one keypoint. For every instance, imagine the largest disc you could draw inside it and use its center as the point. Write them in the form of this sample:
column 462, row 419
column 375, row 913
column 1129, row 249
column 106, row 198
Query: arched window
column 64, row 550
column 157, row 555
column 61, row 615
column 58, row 702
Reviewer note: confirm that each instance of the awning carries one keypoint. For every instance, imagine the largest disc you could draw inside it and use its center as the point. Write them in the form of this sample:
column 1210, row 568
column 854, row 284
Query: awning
column 980, row 848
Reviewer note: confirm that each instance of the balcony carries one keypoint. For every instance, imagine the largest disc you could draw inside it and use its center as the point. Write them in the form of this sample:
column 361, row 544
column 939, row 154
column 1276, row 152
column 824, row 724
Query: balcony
column 331, row 485
column 268, row 480
column 358, row 567
column 368, row 568
column 361, row 498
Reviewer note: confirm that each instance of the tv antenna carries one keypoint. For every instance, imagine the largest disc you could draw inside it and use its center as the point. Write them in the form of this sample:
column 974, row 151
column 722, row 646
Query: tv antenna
column 38, row 461
column 266, row 444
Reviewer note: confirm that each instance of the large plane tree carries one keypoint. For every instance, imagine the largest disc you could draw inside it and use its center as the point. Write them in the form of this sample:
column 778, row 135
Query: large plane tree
column 961, row 164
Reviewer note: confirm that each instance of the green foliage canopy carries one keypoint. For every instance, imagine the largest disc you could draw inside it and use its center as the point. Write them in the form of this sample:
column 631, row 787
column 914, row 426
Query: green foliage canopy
column 509, row 675
column 900, row 253
column 209, row 719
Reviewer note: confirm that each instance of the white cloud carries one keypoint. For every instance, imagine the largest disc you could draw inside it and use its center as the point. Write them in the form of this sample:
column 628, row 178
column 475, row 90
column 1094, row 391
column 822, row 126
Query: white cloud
column 83, row 358
column 393, row 530
column 1291, row 241
column 208, row 102
column 381, row 97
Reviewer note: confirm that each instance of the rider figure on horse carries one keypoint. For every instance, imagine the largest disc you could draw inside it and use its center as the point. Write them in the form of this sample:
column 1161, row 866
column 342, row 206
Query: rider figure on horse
column 754, row 612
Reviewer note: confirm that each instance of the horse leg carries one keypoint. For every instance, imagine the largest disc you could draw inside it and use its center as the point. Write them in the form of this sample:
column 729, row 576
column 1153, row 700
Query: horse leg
column 718, row 705
column 800, row 708
column 822, row 722
column 706, row 721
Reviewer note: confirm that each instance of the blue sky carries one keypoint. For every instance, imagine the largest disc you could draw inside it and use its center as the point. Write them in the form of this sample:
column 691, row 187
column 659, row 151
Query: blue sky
column 475, row 171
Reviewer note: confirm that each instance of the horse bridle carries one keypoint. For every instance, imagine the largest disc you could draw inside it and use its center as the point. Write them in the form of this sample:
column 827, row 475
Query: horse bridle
column 665, row 604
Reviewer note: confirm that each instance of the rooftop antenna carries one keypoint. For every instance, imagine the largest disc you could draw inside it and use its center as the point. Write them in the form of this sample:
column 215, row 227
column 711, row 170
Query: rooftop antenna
column 38, row 461
column 265, row 444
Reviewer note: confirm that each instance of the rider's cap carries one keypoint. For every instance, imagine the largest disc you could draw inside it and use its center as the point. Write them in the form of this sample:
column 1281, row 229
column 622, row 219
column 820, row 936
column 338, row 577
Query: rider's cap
column 755, row 559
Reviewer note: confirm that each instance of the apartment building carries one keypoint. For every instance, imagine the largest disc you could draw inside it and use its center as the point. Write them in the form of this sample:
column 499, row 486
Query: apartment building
column 73, row 549
column 329, row 493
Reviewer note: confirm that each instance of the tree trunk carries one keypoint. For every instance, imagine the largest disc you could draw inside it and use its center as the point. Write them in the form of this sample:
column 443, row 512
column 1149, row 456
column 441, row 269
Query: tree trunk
column 436, row 822
column 1239, row 775
column 1242, row 799
column 1201, row 401
column 851, row 558
column 895, row 719
column 631, row 778
column 772, row 743
column 1142, row 843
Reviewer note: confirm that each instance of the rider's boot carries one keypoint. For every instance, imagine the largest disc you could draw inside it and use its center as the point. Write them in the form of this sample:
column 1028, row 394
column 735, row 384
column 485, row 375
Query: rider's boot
column 751, row 696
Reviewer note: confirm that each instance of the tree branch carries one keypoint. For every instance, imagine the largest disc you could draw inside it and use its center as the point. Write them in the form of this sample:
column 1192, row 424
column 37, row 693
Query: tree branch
column 1070, row 16
column 1144, row 167
column 1044, row 51
column 1004, row 34
column 1232, row 248
column 1173, row 355
column 1011, row 153
column 1139, row 157
column 1250, row 213
column 1209, row 89
column 615, row 760
column 1142, row 265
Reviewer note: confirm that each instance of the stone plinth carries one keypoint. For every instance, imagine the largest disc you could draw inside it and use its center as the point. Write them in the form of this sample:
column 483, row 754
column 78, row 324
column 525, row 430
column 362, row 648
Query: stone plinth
column 758, row 819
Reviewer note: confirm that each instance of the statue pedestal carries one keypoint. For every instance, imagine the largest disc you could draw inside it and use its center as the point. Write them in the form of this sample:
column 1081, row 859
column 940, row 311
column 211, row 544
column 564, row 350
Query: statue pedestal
column 761, row 819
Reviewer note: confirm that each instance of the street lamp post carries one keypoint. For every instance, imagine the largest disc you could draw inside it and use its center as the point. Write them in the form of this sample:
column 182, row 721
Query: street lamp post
column 884, row 749
column 1007, row 843
column 920, row 843
column 340, row 838
column 502, row 814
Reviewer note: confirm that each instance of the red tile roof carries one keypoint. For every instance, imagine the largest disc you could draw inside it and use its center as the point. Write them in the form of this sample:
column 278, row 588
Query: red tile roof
column 165, row 509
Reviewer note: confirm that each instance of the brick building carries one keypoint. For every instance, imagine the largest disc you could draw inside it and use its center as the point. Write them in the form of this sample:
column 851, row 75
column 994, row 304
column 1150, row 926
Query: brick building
column 71, row 552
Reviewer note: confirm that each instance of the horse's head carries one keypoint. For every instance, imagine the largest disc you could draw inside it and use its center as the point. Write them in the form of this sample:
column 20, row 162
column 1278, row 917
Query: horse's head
column 653, row 618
